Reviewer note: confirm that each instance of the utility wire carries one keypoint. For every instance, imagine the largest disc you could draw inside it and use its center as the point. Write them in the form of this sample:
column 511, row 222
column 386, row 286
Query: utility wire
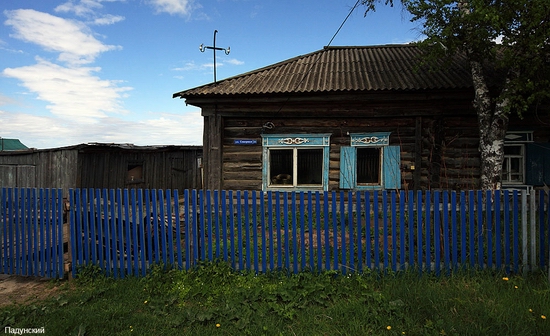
column 346, row 19
column 319, row 56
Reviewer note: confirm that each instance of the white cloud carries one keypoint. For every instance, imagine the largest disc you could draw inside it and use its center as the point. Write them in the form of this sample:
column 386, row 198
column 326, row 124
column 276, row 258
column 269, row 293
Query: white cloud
column 108, row 19
column 84, row 107
column 4, row 100
column 82, row 8
column 34, row 130
column 56, row 34
column 49, row 132
column 73, row 92
column 89, row 10
column 173, row 7
column 191, row 65
column 234, row 61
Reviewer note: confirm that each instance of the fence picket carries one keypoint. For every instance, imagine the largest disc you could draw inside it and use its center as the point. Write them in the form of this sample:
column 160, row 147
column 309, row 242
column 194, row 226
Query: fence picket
column 515, row 231
column 419, row 222
column 394, row 230
column 342, row 222
column 454, row 231
column 385, row 228
column 326, row 228
column 302, row 232
column 188, row 234
column 209, row 222
column 402, row 202
column 310, row 231
column 255, row 231
column 376, row 230
column 246, row 217
column 293, row 215
column 541, row 231
column 437, row 234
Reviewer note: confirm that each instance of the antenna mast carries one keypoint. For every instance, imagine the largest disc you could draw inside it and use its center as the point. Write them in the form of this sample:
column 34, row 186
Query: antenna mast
column 202, row 48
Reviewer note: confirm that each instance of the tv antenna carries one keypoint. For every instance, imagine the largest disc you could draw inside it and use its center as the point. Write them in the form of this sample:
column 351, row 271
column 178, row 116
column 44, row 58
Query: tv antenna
column 202, row 48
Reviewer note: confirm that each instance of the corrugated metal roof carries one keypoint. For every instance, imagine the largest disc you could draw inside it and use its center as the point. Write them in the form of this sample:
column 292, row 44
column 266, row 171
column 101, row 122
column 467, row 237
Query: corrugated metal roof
column 333, row 69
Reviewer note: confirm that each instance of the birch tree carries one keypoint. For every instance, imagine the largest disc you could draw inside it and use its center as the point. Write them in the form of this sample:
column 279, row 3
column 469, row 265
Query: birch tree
column 507, row 44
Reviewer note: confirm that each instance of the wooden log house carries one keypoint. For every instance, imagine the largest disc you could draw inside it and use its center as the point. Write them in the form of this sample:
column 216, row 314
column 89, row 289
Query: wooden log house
column 357, row 118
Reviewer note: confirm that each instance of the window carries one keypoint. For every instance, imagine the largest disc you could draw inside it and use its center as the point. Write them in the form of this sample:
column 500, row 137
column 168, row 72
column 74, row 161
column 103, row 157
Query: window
column 513, row 164
column 370, row 163
column 295, row 162
column 135, row 172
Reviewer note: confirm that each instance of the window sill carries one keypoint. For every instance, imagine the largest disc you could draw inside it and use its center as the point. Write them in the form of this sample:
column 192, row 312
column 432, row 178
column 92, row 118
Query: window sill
column 291, row 188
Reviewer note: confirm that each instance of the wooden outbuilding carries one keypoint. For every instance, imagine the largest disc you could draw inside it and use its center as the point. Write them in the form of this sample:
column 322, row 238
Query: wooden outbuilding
column 100, row 165
column 357, row 118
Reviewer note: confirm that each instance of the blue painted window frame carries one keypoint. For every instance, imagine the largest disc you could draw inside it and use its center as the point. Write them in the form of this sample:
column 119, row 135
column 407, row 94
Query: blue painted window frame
column 390, row 159
column 295, row 141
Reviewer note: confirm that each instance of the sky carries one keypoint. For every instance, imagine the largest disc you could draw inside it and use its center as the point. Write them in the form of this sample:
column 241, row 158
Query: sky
column 104, row 71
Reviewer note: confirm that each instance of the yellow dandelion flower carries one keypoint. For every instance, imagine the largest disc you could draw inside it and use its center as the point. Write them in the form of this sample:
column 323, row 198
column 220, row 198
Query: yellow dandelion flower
column 516, row 287
column 530, row 310
column 505, row 279
column 388, row 327
column 217, row 325
column 543, row 317
column 145, row 301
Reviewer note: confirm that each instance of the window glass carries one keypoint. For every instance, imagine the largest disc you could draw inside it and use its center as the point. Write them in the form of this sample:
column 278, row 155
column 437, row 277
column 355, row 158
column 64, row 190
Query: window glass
column 368, row 165
column 310, row 166
column 281, row 166
column 513, row 163
column 512, row 150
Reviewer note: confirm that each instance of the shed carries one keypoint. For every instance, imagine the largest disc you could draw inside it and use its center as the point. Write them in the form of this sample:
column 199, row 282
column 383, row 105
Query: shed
column 101, row 165
column 357, row 118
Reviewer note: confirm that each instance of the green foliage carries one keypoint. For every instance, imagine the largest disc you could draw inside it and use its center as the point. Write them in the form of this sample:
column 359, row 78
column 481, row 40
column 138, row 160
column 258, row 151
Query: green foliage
column 520, row 60
column 212, row 298
column 89, row 273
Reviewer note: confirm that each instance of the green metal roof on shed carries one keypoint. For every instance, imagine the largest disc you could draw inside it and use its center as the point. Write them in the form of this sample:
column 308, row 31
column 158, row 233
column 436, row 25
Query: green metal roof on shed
column 11, row 145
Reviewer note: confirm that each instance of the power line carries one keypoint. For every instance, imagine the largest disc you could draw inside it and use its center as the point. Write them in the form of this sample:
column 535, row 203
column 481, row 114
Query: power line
column 319, row 56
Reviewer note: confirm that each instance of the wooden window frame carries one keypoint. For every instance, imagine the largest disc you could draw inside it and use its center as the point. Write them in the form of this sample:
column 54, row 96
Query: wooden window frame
column 390, row 157
column 294, row 142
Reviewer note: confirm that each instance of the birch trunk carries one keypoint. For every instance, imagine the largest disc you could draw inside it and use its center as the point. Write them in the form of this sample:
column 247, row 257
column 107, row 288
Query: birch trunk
column 493, row 124
column 492, row 120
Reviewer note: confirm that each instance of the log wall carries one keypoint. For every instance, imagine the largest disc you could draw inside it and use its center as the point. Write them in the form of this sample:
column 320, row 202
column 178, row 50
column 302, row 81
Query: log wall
column 448, row 148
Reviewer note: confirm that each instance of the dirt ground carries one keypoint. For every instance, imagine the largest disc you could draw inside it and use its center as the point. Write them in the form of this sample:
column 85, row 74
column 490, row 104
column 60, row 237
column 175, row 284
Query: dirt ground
column 24, row 290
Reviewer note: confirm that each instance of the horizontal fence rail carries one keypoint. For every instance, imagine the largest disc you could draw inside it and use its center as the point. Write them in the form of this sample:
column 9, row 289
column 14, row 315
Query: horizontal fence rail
column 124, row 232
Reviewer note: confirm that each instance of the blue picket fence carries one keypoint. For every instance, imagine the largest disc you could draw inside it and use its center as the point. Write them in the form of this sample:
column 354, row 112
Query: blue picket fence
column 126, row 231
column 31, row 232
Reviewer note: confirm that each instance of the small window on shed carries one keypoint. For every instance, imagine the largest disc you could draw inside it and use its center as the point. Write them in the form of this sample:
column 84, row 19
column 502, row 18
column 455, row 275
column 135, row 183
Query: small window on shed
column 135, row 172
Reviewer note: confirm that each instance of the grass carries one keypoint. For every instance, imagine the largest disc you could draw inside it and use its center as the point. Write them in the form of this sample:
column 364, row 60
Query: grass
column 212, row 299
